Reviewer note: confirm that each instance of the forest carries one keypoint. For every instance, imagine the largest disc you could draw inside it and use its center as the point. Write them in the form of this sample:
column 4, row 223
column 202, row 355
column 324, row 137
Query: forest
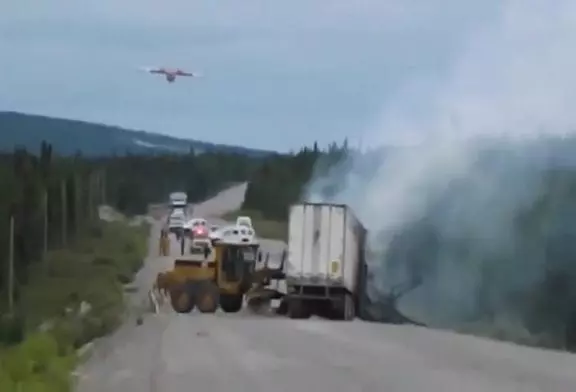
column 281, row 180
column 63, row 269
column 47, row 200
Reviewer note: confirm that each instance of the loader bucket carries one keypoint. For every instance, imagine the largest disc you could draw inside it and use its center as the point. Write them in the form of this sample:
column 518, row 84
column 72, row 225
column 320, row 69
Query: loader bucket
column 259, row 299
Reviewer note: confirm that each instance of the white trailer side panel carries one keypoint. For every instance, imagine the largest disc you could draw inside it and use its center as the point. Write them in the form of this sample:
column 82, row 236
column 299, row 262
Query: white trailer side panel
column 323, row 245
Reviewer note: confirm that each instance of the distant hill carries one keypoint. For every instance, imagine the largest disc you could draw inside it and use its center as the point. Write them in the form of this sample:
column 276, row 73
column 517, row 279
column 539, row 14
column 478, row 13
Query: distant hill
column 70, row 136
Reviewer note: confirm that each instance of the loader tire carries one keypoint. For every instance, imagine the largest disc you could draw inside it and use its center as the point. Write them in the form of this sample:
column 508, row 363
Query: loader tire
column 231, row 303
column 207, row 297
column 182, row 298
column 298, row 309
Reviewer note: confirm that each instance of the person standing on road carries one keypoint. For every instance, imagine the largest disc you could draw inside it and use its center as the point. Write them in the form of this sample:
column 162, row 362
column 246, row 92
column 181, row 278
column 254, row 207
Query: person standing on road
column 164, row 243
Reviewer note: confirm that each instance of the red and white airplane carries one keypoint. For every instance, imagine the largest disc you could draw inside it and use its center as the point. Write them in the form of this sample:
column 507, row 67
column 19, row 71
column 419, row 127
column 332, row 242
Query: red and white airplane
column 170, row 73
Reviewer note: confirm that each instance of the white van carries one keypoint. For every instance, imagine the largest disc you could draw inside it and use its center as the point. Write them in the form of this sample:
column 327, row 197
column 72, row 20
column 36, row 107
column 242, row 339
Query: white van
column 176, row 220
column 244, row 221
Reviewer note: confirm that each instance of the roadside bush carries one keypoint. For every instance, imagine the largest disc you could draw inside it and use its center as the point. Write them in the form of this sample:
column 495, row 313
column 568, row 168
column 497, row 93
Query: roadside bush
column 77, row 293
column 12, row 329
column 71, row 298
column 36, row 364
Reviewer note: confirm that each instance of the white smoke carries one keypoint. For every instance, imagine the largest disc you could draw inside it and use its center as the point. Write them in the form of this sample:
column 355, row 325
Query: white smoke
column 514, row 82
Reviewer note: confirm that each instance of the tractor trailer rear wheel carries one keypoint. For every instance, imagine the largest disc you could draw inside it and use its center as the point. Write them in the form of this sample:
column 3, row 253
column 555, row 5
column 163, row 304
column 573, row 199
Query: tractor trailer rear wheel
column 231, row 303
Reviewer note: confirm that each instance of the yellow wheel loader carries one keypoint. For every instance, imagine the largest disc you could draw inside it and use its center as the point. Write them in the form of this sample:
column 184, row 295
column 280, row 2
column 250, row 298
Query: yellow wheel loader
column 216, row 278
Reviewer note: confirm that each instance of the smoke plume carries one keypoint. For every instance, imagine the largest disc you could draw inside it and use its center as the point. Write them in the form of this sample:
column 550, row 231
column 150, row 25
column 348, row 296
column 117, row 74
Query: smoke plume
column 473, row 162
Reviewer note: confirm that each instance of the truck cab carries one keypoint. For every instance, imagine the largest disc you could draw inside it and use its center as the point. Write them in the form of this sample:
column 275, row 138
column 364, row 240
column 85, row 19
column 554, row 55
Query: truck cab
column 178, row 199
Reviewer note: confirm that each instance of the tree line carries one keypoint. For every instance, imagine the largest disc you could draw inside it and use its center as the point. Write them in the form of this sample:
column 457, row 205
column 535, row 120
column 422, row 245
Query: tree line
column 134, row 181
column 45, row 203
column 280, row 180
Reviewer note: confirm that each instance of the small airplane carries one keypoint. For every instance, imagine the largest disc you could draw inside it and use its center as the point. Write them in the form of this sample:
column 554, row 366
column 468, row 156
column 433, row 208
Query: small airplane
column 170, row 73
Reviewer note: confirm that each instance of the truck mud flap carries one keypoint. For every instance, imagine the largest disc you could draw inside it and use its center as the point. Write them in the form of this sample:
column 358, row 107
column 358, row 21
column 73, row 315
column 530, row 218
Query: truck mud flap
column 260, row 300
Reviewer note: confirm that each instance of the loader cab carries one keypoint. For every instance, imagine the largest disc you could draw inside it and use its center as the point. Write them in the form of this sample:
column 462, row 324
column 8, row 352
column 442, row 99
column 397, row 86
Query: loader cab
column 236, row 261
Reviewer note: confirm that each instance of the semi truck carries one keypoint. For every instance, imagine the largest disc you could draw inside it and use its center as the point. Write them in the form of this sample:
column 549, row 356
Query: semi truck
column 178, row 200
column 325, row 266
column 178, row 214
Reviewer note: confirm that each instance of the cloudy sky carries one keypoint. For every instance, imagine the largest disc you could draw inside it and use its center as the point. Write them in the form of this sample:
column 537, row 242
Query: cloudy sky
column 276, row 74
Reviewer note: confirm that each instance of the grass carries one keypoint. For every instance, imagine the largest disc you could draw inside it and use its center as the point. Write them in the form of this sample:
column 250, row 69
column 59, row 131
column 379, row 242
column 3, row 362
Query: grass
column 36, row 365
column 87, row 276
column 265, row 228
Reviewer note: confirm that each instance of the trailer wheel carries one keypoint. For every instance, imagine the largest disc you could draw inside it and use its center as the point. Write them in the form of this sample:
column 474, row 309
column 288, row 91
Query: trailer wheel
column 182, row 298
column 298, row 309
column 231, row 303
column 207, row 297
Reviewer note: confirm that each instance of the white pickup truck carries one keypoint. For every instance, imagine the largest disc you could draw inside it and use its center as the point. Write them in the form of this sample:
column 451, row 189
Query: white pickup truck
column 241, row 232
column 176, row 220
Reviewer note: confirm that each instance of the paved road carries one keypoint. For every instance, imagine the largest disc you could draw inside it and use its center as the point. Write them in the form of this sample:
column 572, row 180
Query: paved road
column 245, row 352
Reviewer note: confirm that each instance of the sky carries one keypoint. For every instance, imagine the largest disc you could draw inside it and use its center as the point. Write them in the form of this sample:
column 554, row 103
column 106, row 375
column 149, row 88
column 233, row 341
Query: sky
column 276, row 75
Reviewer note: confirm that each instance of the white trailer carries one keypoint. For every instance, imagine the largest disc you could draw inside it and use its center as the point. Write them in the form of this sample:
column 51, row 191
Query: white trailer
column 325, row 261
